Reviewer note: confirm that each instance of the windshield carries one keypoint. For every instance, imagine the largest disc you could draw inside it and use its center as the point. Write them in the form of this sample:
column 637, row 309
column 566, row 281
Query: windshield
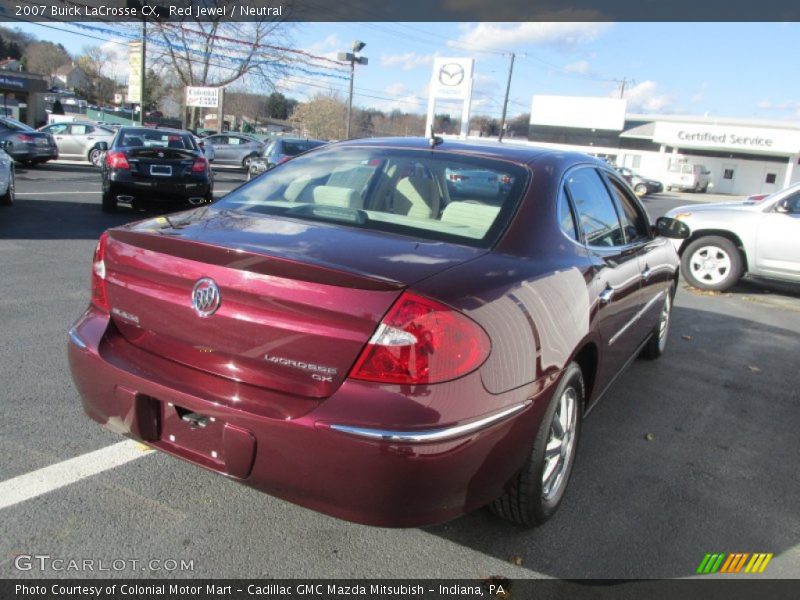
column 153, row 138
column 422, row 194
column 294, row 148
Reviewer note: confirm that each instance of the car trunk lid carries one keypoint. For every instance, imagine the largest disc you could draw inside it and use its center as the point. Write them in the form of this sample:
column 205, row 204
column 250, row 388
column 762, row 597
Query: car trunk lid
column 298, row 300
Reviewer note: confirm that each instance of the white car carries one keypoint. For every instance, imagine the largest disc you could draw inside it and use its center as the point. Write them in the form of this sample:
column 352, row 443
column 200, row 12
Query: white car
column 758, row 235
column 6, row 175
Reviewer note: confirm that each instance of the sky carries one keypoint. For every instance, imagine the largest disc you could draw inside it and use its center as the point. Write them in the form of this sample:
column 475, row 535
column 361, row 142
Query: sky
column 743, row 70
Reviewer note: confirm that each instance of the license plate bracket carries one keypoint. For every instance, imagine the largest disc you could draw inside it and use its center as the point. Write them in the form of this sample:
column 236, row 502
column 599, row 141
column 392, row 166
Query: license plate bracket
column 161, row 170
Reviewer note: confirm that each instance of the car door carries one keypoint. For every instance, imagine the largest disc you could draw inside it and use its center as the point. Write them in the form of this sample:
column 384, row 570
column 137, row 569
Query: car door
column 651, row 253
column 222, row 150
column 778, row 240
column 60, row 133
column 616, row 279
column 83, row 139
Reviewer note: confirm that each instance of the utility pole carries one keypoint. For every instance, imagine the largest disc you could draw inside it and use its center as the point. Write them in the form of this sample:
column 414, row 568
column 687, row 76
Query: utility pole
column 622, row 83
column 505, row 101
column 353, row 59
column 144, row 70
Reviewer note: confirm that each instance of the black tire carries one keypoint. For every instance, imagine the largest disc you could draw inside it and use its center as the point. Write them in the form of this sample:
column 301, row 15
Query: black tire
column 7, row 199
column 719, row 250
column 246, row 162
column 705, row 189
column 526, row 502
column 95, row 153
column 655, row 346
column 109, row 201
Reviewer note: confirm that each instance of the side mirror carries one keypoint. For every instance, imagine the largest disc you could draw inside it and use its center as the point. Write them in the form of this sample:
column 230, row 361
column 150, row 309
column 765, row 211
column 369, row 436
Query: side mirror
column 102, row 146
column 672, row 228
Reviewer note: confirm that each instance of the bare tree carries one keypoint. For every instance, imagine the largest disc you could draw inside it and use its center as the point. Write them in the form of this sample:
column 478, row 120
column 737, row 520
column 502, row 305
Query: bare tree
column 45, row 58
column 321, row 117
column 98, row 65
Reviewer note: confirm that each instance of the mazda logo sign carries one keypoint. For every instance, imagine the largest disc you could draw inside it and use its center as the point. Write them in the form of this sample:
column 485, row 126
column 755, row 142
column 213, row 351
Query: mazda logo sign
column 451, row 74
column 205, row 297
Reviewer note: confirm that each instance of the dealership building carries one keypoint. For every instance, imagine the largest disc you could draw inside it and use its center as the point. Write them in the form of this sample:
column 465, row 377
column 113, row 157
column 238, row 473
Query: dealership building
column 745, row 156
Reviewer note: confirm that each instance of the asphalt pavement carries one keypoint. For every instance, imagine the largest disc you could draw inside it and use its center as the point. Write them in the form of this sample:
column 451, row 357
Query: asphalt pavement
column 694, row 453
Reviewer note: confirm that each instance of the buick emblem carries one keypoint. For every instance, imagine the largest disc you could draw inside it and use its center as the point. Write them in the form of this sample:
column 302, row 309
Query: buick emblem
column 451, row 74
column 160, row 155
column 205, row 297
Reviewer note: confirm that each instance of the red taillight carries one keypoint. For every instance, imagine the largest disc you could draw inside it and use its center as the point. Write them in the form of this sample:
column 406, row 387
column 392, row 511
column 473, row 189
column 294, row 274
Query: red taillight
column 505, row 179
column 24, row 137
column 200, row 165
column 117, row 160
column 457, row 177
column 283, row 159
column 99, row 296
column 421, row 341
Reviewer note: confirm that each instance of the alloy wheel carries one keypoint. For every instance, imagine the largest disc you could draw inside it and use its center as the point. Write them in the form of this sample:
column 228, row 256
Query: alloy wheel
column 710, row 264
column 560, row 443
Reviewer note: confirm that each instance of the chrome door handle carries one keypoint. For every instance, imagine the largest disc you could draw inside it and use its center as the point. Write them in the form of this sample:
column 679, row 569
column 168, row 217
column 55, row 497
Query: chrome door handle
column 606, row 295
column 647, row 272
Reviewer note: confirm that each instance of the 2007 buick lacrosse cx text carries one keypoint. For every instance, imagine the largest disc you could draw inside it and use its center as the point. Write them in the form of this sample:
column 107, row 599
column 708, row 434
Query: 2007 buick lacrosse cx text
column 391, row 331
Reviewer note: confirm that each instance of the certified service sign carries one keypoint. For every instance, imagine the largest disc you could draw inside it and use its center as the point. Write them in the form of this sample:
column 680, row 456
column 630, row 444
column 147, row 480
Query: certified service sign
column 452, row 78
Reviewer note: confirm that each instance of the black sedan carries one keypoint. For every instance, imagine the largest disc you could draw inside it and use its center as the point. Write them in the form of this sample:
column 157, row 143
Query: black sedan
column 25, row 144
column 162, row 165
column 641, row 185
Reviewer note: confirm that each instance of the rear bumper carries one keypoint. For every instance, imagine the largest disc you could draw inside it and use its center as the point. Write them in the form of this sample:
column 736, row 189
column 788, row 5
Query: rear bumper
column 166, row 189
column 392, row 475
column 32, row 152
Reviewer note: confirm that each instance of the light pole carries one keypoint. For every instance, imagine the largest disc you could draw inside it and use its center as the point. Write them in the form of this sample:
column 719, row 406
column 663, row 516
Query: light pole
column 353, row 59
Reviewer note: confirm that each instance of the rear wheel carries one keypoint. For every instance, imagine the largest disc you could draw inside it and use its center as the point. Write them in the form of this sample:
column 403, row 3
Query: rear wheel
column 640, row 189
column 712, row 263
column 109, row 201
column 7, row 199
column 536, row 493
column 246, row 162
column 95, row 154
column 658, row 340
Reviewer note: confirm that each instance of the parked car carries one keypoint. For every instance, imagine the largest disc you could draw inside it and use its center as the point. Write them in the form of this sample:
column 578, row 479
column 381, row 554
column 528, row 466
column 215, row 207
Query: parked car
column 353, row 339
column 6, row 175
column 279, row 151
column 688, row 177
column 28, row 146
column 641, row 185
column 162, row 165
column 208, row 149
column 477, row 182
column 759, row 236
column 235, row 149
column 80, row 140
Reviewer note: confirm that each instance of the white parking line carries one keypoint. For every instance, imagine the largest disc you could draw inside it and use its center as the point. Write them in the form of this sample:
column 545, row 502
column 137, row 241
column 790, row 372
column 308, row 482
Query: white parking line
column 52, row 193
column 33, row 484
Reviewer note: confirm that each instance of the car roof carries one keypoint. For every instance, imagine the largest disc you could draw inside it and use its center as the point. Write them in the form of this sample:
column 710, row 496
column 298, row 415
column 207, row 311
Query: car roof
column 519, row 153
column 129, row 129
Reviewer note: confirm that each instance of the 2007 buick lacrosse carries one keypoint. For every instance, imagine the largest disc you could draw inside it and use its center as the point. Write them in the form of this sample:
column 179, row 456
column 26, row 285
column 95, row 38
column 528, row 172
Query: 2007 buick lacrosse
column 394, row 332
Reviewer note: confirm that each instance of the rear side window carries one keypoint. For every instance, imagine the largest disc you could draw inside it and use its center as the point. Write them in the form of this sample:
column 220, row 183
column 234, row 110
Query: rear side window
column 596, row 214
column 633, row 218
column 566, row 218
column 425, row 195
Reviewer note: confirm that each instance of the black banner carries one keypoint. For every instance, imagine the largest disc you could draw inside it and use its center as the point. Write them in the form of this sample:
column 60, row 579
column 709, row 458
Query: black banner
column 427, row 589
column 395, row 11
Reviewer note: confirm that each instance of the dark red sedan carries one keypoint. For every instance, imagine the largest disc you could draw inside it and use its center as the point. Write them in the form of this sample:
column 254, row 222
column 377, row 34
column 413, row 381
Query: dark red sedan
column 355, row 333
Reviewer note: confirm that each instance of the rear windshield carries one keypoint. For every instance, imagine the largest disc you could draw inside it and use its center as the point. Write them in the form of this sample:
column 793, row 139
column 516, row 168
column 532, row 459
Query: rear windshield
column 153, row 138
column 427, row 195
column 294, row 148
column 16, row 125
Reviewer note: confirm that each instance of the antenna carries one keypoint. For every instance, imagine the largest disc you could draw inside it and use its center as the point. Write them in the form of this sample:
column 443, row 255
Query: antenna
column 434, row 140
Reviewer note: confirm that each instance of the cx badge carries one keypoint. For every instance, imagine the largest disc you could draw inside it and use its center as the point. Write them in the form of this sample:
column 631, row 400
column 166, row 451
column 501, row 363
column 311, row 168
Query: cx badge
column 205, row 297
column 451, row 74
